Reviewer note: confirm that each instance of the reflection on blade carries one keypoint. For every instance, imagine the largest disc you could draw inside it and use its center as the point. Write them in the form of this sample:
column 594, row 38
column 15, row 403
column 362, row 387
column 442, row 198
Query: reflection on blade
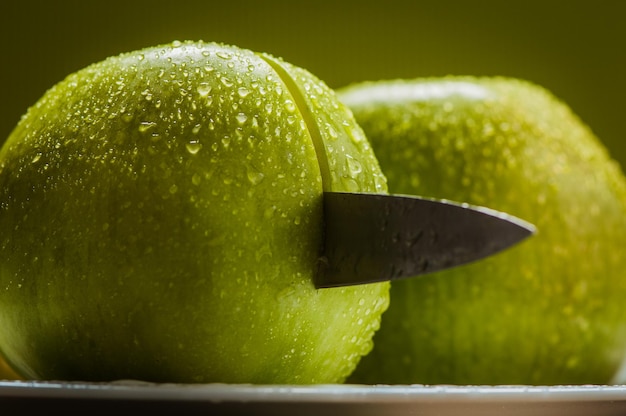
column 372, row 238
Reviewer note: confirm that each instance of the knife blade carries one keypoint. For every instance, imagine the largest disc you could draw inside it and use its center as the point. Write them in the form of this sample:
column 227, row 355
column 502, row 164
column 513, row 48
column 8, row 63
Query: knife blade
column 375, row 237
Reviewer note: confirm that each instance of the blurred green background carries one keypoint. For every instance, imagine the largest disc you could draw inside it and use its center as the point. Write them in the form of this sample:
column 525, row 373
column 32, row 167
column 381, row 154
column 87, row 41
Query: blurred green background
column 577, row 49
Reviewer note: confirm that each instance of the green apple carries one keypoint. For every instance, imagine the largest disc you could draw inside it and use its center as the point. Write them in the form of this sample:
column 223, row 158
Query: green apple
column 161, row 217
column 548, row 311
column 6, row 372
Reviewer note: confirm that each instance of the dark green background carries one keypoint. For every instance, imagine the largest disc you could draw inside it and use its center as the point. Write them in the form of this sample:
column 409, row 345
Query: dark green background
column 577, row 49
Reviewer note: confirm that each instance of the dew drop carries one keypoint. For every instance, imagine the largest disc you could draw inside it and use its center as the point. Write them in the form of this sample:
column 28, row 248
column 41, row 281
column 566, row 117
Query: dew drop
column 226, row 141
column 224, row 55
column 241, row 118
column 196, row 179
column 380, row 182
column 350, row 184
column 290, row 106
column 243, row 92
column 144, row 126
column 331, row 131
column 147, row 95
column 354, row 166
column 194, row 147
column 226, row 81
column 254, row 175
column 356, row 136
column 36, row 158
column 204, row 89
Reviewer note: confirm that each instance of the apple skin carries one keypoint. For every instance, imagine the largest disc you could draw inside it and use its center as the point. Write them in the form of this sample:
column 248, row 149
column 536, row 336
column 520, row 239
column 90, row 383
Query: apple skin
column 6, row 372
column 161, row 217
column 547, row 311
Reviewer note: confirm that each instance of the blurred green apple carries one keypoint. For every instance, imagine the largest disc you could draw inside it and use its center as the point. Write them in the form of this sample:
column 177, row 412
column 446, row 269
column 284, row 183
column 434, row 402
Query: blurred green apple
column 6, row 372
column 161, row 217
column 549, row 311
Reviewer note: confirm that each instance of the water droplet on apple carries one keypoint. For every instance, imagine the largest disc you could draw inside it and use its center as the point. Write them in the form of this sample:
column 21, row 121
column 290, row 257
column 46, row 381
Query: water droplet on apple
column 331, row 131
column 241, row 118
column 224, row 55
column 254, row 175
column 356, row 136
column 380, row 182
column 145, row 126
column 350, row 184
column 354, row 166
column 204, row 89
column 194, row 147
column 227, row 82
column 243, row 92
column 36, row 158
column 196, row 179
column 290, row 106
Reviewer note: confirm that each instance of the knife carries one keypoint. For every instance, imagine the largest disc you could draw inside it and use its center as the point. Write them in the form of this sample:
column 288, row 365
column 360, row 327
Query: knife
column 374, row 237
